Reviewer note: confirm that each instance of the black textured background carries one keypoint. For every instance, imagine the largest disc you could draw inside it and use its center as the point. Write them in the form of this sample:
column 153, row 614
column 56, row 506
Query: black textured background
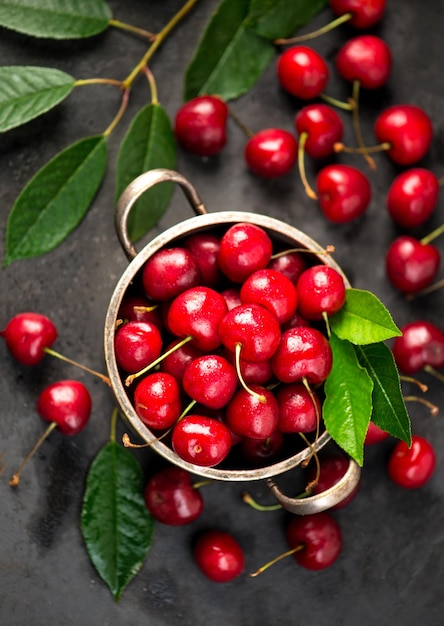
column 392, row 566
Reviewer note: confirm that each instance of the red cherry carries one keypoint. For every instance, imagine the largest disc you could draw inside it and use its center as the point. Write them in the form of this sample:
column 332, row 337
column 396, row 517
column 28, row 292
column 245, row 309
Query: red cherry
column 27, row 335
column 316, row 538
column 249, row 416
column 412, row 467
column 157, row 400
column 303, row 353
column 260, row 452
column 259, row 372
column 171, row 498
column 178, row 359
column 412, row 197
column 410, row 264
column 321, row 291
column 344, row 192
column 299, row 409
column 374, row 434
column 366, row 59
column 323, row 128
column 232, row 297
column 244, row 249
column 219, row 556
column 201, row 440
column 271, row 152
column 139, row 309
column 273, row 290
column 332, row 468
column 200, row 125
column 302, row 72
column 290, row 263
column 67, row 403
column 420, row 345
column 205, row 249
column 407, row 130
column 210, row 380
column 364, row 13
column 169, row 272
column 136, row 344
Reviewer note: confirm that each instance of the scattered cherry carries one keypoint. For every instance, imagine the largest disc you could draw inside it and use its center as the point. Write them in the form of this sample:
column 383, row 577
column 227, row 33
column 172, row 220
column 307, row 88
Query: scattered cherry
column 362, row 13
column 219, row 556
column 27, row 336
column 302, row 72
column 171, row 498
column 271, row 152
column 366, row 59
column 412, row 197
column 421, row 346
column 323, row 128
column 200, row 125
column 411, row 264
column 412, row 467
column 344, row 192
column 316, row 540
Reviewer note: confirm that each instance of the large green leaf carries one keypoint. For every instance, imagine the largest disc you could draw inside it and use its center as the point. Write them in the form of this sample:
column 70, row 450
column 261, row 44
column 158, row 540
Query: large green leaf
column 149, row 143
column 55, row 200
column 57, row 19
column 389, row 411
column 274, row 19
column 230, row 56
column 348, row 400
column 115, row 522
column 26, row 92
column 363, row 319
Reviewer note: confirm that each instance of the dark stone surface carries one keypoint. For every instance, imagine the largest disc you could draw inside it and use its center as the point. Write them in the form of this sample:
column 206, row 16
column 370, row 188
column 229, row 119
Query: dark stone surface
column 392, row 566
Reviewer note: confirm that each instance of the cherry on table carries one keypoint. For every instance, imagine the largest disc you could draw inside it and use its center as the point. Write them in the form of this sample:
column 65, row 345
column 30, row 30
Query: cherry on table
column 171, row 497
column 219, row 556
column 344, row 192
column 321, row 291
column 366, row 59
column 375, row 434
column 302, row 72
column 322, row 127
column 362, row 13
column 200, row 125
column 411, row 264
column 157, row 400
column 271, row 152
column 412, row 467
column 201, row 440
column 421, row 346
column 413, row 196
column 27, row 336
column 316, row 540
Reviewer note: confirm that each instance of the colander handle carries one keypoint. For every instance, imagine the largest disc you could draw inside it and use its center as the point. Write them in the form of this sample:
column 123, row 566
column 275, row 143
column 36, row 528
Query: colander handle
column 137, row 188
column 322, row 501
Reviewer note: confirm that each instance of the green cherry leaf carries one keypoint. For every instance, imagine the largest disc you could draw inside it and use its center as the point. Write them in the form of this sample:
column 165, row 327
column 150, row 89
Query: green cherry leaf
column 389, row 410
column 230, row 56
column 115, row 523
column 275, row 19
column 363, row 319
column 55, row 19
column 347, row 408
column 148, row 144
column 55, row 200
column 27, row 92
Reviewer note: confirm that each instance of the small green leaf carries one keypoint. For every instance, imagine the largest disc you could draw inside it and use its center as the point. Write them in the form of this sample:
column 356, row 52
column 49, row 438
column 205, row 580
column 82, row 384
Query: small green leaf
column 275, row 19
column 26, row 92
column 149, row 143
column 363, row 319
column 389, row 411
column 348, row 400
column 56, row 19
column 230, row 56
column 55, row 200
column 115, row 523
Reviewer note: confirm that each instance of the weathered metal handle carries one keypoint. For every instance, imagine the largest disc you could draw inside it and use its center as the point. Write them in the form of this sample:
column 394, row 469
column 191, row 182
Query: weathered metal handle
column 137, row 188
column 322, row 501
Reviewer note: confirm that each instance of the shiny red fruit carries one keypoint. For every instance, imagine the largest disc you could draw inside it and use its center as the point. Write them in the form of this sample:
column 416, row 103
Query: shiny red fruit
column 171, row 498
column 27, row 335
column 317, row 539
column 244, row 248
column 374, row 434
column 201, row 440
column 344, row 192
column 366, row 59
column 157, row 400
column 321, row 291
column 421, row 344
column 219, row 556
column 323, row 128
column 412, row 467
column 302, row 72
column 364, row 13
column 271, row 152
column 412, row 197
column 411, row 265
column 200, row 125
column 67, row 403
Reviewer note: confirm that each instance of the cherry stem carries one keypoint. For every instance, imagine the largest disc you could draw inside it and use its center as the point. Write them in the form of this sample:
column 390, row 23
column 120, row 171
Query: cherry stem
column 318, row 421
column 99, row 81
column 15, row 479
column 152, row 83
column 61, row 357
column 327, row 250
column 248, row 133
column 415, row 381
column 113, row 427
column 129, row 379
column 259, row 396
column 357, row 125
column 202, row 483
column 433, row 235
column 276, row 560
column 248, row 499
column 119, row 114
column 339, row 104
column 129, row 444
column 327, row 323
column 316, row 33
column 382, row 147
column 133, row 29
column 433, row 372
column 434, row 410
column 301, row 163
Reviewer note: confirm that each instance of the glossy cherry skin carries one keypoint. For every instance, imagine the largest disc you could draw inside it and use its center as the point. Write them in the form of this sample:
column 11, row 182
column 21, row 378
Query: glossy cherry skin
column 136, row 344
column 201, row 440
column 364, row 13
column 272, row 290
column 410, row 264
column 413, row 196
column 157, row 400
column 197, row 313
column 205, row 249
column 332, row 468
column 289, row 263
column 200, row 125
column 318, row 540
column 321, row 291
column 375, row 434
column 366, row 59
column 178, row 360
column 219, row 556
column 27, row 335
column 254, row 328
column 248, row 416
column 271, row 152
column 412, row 467
column 210, row 380
column 171, row 498
column 344, row 192
column 303, row 353
column 244, row 249
column 139, row 309
column 421, row 344
column 258, row 372
column 323, row 127
column 169, row 272
column 299, row 410
column 67, row 403
column 302, row 72
column 408, row 130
